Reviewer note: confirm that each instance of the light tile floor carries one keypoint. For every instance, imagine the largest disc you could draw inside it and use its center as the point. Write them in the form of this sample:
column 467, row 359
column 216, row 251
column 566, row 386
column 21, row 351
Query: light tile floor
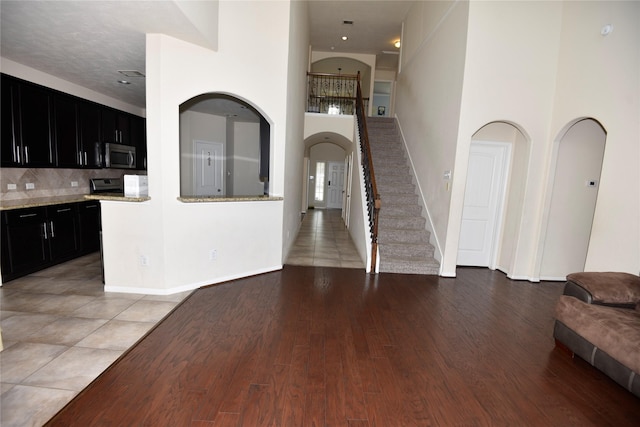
column 324, row 241
column 61, row 330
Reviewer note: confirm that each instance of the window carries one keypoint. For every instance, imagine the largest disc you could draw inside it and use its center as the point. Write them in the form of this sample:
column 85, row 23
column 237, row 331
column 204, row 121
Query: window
column 319, row 181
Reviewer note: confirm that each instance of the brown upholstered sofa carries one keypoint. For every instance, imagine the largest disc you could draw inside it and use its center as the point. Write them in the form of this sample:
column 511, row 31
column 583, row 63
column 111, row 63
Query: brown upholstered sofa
column 598, row 319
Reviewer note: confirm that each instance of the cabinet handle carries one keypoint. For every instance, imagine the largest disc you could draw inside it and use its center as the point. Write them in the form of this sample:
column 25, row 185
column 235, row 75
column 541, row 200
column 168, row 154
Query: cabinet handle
column 18, row 154
column 63, row 210
column 28, row 215
column 26, row 154
column 52, row 233
column 91, row 207
column 44, row 226
column 85, row 158
column 80, row 158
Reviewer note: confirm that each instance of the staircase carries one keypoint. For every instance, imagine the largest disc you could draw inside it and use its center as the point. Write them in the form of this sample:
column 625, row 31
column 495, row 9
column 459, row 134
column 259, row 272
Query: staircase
column 403, row 240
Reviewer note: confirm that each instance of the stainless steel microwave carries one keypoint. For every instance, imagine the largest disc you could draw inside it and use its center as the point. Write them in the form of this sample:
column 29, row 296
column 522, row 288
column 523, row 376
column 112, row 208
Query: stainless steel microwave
column 118, row 156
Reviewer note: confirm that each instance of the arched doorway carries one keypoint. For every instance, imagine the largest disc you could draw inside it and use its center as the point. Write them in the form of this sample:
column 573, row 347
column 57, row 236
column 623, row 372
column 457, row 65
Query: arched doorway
column 576, row 180
column 497, row 170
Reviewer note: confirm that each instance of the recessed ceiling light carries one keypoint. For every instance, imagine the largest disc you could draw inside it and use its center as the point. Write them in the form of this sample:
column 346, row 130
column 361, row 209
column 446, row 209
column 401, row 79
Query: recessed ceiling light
column 124, row 82
column 344, row 38
column 347, row 22
column 131, row 73
column 397, row 43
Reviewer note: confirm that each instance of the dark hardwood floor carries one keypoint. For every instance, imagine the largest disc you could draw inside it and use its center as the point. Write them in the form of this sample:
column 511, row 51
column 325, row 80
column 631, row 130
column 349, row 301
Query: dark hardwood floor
column 313, row 346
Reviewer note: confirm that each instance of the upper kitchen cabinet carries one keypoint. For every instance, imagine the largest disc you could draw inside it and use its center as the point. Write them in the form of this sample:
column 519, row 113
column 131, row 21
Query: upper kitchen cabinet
column 28, row 141
column 139, row 140
column 77, row 132
column 115, row 126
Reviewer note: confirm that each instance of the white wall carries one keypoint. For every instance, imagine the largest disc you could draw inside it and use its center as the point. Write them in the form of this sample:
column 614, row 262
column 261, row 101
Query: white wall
column 428, row 95
column 246, row 160
column 201, row 127
column 178, row 237
column 294, row 140
column 539, row 66
column 599, row 77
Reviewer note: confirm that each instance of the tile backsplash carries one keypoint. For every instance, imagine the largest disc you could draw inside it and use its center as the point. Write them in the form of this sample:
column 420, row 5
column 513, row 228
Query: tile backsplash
column 51, row 182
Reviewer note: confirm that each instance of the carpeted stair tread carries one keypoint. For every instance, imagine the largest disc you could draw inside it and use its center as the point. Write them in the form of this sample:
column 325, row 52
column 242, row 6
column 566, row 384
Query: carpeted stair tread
column 402, row 236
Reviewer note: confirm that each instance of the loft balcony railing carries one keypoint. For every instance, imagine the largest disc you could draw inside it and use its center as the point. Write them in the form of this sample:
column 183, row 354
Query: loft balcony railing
column 333, row 93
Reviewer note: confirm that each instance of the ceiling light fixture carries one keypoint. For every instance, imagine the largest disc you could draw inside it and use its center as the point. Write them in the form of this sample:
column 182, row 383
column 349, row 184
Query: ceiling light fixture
column 397, row 43
column 124, row 82
column 345, row 38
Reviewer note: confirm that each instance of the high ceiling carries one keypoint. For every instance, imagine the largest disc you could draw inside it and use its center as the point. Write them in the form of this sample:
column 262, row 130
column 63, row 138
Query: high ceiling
column 88, row 42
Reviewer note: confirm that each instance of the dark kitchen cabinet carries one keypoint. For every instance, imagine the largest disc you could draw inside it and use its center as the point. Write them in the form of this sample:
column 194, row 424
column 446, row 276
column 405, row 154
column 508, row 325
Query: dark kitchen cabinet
column 23, row 242
column 89, row 224
column 89, row 134
column 62, row 223
column 139, row 140
column 37, row 238
column 26, row 125
column 115, row 126
column 77, row 132
column 10, row 145
column 65, row 115
column 35, row 126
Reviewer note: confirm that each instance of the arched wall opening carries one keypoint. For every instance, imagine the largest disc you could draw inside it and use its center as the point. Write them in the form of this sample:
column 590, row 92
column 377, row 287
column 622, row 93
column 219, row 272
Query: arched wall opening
column 224, row 147
column 344, row 65
column 503, row 238
column 326, row 148
column 574, row 182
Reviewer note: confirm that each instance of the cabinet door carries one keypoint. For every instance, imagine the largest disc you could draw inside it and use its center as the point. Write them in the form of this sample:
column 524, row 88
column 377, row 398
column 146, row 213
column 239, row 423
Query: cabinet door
column 108, row 125
column 89, row 124
column 23, row 241
column 139, row 140
column 89, row 221
column 35, row 126
column 62, row 221
column 124, row 128
column 66, row 132
column 9, row 130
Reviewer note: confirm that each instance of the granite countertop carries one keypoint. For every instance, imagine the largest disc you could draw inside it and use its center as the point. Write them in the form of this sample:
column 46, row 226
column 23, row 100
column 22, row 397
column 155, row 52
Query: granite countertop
column 116, row 197
column 205, row 199
column 61, row 200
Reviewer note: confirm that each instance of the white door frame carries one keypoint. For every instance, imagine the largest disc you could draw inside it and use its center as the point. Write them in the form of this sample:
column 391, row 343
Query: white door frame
column 501, row 189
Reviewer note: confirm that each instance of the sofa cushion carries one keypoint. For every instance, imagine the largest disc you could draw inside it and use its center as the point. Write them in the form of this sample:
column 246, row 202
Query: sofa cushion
column 609, row 287
column 615, row 331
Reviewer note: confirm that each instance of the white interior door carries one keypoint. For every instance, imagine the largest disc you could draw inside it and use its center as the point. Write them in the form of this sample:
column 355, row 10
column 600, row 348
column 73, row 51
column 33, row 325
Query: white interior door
column 483, row 200
column 209, row 168
column 335, row 185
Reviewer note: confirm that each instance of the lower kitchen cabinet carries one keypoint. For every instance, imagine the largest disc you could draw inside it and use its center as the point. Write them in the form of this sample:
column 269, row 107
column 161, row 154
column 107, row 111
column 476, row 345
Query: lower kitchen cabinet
column 37, row 238
column 89, row 222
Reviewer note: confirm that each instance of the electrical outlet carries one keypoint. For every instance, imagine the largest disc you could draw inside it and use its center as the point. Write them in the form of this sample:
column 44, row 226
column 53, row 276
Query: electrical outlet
column 213, row 255
column 30, row 186
column 144, row 260
column 11, row 186
column 74, row 183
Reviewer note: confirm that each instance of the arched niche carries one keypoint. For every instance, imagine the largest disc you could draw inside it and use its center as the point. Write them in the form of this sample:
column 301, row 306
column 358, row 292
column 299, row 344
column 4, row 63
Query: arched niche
column 343, row 65
column 574, row 182
column 506, row 235
column 224, row 147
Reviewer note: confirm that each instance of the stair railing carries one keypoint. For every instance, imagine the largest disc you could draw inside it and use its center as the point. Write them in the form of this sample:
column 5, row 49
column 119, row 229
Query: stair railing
column 373, row 197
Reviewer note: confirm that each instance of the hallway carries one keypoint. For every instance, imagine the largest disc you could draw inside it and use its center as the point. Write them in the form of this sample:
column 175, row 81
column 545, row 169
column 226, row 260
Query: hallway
column 324, row 241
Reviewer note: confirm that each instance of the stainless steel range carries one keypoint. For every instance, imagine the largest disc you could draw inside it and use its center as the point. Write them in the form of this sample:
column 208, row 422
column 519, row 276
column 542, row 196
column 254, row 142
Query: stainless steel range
column 106, row 185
